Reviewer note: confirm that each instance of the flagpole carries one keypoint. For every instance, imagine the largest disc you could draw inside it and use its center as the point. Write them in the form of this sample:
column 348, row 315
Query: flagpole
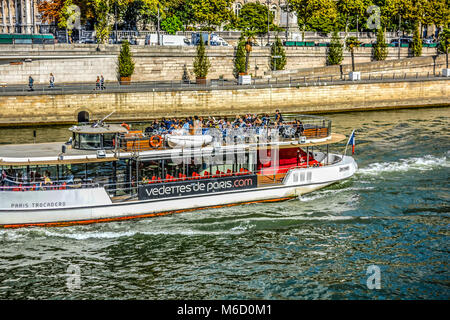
column 351, row 134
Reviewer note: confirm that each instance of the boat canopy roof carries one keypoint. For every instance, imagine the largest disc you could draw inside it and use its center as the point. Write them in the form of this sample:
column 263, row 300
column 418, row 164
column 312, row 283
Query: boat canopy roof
column 99, row 129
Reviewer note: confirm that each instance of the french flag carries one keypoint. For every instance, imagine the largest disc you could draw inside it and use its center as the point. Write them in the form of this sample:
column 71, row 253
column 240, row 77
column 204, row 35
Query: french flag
column 351, row 141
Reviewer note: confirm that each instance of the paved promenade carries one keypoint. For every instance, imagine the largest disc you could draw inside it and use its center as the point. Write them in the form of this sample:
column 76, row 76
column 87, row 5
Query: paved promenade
column 213, row 84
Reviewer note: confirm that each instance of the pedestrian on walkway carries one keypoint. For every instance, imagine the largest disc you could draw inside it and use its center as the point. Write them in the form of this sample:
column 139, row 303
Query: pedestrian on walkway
column 52, row 80
column 30, row 83
column 97, row 83
column 102, row 83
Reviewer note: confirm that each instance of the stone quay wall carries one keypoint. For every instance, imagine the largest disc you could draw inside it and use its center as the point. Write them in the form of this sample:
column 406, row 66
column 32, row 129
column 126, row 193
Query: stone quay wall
column 78, row 63
column 138, row 106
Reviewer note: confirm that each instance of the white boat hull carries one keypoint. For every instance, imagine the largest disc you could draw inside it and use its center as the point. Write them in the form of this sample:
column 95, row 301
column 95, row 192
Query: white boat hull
column 56, row 207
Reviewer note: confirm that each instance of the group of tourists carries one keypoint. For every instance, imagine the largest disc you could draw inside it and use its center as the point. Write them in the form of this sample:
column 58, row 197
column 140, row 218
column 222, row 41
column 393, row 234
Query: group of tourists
column 100, row 83
column 247, row 123
column 13, row 178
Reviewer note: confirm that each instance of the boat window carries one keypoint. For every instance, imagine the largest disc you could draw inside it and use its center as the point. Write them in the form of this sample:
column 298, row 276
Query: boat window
column 302, row 176
column 90, row 141
column 108, row 140
column 76, row 141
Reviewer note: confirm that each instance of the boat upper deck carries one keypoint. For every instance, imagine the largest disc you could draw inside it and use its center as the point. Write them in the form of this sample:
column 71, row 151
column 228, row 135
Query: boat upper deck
column 51, row 152
column 99, row 142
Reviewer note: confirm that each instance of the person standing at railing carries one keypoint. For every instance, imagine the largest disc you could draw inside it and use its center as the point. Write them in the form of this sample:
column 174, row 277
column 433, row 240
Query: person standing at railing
column 278, row 116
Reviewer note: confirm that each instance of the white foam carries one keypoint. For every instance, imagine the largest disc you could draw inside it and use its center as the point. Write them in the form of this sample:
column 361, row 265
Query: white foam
column 427, row 162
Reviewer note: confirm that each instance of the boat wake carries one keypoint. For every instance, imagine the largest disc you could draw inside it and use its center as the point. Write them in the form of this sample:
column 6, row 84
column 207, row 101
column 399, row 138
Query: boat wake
column 424, row 163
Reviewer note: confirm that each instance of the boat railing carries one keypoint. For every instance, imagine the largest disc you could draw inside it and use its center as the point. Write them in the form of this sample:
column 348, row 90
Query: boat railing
column 40, row 186
column 289, row 130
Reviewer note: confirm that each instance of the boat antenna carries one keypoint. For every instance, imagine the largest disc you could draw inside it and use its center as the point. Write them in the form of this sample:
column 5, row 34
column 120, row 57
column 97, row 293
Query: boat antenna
column 101, row 121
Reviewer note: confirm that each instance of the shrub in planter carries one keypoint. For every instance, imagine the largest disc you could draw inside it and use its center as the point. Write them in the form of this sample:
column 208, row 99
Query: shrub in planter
column 125, row 63
column 201, row 63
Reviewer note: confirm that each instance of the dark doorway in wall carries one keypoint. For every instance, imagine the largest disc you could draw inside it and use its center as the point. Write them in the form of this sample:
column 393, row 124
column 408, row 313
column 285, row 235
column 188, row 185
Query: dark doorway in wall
column 83, row 116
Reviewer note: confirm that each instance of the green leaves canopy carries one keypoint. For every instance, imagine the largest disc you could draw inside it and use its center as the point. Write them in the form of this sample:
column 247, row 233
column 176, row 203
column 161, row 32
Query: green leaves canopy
column 125, row 64
column 253, row 18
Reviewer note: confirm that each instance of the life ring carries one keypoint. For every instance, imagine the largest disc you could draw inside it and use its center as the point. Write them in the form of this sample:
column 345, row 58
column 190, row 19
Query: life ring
column 155, row 141
column 126, row 126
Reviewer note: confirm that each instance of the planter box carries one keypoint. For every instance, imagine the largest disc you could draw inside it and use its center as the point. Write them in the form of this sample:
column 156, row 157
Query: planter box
column 125, row 81
column 446, row 72
column 355, row 75
column 245, row 79
column 202, row 81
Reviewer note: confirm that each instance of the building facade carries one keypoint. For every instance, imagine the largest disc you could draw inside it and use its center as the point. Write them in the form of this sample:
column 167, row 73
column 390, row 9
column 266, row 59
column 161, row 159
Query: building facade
column 19, row 16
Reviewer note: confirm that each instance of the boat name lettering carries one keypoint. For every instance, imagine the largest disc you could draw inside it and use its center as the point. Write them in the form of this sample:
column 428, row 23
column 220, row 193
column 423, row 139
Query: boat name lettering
column 25, row 205
column 183, row 188
column 346, row 168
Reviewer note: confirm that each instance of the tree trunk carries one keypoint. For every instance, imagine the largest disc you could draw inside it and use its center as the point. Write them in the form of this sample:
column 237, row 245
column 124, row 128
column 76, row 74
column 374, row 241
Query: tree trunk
column 446, row 59
column 353, row 60
column 246, row 62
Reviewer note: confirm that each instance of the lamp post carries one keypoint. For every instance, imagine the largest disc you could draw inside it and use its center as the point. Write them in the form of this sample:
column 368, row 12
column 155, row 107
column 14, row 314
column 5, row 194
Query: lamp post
column 115, row 18
column 248, row 49
column 287, row 20
column 157, row 30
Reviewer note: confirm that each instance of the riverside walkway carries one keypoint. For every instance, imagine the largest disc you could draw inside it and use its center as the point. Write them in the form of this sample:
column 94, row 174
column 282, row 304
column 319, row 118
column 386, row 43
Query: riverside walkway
column 213, row 84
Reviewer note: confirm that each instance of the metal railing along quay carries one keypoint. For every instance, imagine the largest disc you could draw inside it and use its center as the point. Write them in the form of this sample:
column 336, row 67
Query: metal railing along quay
column 23, row 89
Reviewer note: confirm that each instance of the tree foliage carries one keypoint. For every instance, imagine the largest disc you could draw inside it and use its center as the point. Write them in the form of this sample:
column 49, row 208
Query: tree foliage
column 277, row 50
column 416, row 45
column 201, row 61
column 211, row 13
column 444, row 43
column 351, row 10
column 351, row 43
column 172, row 24
column 239, row 56
column 253, row 18
column 335, row 51
column 305, row 10
column 125, row 61
column 103, row 26
column 380, row 48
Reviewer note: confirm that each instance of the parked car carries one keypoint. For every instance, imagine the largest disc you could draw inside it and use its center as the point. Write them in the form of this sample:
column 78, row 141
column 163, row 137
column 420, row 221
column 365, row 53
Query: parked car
column 428, row 40
column 404, row 41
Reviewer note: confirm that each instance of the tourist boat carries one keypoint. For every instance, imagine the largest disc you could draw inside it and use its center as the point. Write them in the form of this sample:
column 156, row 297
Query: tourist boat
column 108, row 172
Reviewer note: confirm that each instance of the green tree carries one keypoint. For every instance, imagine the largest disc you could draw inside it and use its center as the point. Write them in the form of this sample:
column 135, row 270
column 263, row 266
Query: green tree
column 253, row 18
column 181, row 8
column 66, row 13
column 305, row 10
column 439, row 11
column 416, row 45
column 380, row 50
column 325, row 19
column 103, row 26
column 125, row 65
column 351, row 43
column 201, row 61
column 336, row 51
column 211, row 13
column 239, row 57
column 277, row 50
column 352, row 9
column 444, row 43
column 172, row 24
